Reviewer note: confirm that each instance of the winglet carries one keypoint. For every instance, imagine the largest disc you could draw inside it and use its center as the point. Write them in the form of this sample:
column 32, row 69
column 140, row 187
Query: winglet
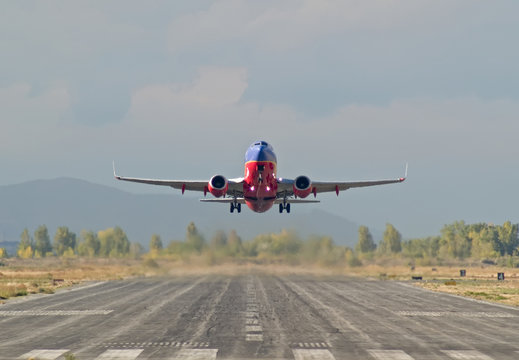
column 115, row 176
column 405, row 175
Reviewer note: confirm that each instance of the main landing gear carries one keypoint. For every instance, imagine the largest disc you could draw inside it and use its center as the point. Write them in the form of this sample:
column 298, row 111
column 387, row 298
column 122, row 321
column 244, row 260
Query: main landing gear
column 237, row 206
column 285, row 206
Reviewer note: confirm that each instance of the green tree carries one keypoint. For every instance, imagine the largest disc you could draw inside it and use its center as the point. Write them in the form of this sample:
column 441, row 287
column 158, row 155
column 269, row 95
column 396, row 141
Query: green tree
column 508, row 238
column 365, row 243
column 3, row 253
column 391, row 241
column 194, row 239
column 234, row 243
column 156, row 243
column 88, row 244
column 26, row 245
column 136, row 250
column 25, row 240
column 426, row 248
column 484, row 242
column 113, row 242
column 64, row 241
column 42, row 244
column 455, row 241
column 218, row 241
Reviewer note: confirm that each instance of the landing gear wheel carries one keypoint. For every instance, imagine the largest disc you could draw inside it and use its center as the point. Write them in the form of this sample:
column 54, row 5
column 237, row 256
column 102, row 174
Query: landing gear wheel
column 280, row 208
column 287, row 207
column 238, row 207
column 232, row 208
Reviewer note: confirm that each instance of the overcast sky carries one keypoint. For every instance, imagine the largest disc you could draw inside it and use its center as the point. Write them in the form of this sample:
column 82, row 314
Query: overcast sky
column 343, row 90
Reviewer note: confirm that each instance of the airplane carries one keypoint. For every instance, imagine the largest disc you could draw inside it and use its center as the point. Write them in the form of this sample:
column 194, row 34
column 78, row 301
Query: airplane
column 260, row 188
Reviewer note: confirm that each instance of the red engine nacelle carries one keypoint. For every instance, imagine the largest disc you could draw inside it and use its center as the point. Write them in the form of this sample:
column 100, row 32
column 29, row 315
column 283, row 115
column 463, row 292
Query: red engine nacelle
column 302, row 186
column 218, row 185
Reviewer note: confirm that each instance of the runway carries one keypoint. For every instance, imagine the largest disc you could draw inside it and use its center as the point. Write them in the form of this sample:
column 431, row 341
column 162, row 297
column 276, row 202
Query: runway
column 256, row 316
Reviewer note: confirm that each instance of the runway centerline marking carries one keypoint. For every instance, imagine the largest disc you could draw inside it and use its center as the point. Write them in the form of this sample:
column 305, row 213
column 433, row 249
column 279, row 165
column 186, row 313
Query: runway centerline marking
column 312, row 354
column 43, row 354
column 120, row 354
column 253, row 329
column 466, row 355
column 389, row 355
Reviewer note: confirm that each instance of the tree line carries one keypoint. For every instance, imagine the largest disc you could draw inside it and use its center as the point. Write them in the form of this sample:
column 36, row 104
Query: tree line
column 111, row 242
column 480, row 241
column 458, row 240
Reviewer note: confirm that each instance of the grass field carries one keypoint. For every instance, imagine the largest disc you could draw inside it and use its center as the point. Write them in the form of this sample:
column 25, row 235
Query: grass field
column 22, row 277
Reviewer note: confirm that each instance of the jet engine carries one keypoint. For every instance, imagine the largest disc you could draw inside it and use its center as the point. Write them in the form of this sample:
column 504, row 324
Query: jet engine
column 302, row 186
column 218, row 185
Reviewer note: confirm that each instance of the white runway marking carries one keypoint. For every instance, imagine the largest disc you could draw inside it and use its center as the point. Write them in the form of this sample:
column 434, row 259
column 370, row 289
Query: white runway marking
column 389, row 355
column 253, row 328
column 44, row 354
column 311, row 354
column 196, row 354
column 54, row 312
column 254, row 337
column 466, row 355
column 120, row 354
column 474, row 314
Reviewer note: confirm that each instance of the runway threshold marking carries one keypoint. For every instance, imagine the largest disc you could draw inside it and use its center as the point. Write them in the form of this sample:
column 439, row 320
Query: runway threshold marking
column 43, row 354
column 196, row 354
column 120, row 354
column 312, row 354
column 389, row 355
column 466, row 355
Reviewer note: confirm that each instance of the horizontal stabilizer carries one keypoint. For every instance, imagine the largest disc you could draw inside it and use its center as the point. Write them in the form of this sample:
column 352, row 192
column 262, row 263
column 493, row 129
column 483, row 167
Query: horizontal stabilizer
column 224, row 200
column 295, row 201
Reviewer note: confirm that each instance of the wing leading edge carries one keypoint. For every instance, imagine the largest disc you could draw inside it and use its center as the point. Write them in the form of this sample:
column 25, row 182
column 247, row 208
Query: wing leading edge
column 286, row 186
column 235, row 185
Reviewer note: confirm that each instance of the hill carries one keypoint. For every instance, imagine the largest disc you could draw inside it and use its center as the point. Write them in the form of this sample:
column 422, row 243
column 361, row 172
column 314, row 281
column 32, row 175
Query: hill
column 81, row 205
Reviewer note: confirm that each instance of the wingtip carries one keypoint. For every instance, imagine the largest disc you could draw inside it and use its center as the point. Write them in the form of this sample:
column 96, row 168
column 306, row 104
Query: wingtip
column 115, row 175
column 405, row 174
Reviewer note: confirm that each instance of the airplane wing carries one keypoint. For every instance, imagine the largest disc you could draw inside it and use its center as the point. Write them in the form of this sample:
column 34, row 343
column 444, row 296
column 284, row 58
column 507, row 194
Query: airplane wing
column 235, row 185
column 329, row 186
column 286, row 186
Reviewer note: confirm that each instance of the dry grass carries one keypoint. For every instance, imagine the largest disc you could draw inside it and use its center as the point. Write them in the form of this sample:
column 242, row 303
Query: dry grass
column 21, row 277
column 479, row 283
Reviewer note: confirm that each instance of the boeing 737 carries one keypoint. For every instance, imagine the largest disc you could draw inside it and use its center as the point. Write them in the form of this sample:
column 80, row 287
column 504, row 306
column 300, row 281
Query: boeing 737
column 260, row 188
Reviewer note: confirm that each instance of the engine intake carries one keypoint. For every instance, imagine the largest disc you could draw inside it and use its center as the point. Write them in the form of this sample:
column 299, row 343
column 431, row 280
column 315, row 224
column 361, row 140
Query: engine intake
column 302, row 186
column 218, row 185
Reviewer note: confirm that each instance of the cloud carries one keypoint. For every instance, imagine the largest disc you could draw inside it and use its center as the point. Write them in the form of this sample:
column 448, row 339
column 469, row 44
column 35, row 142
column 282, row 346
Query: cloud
column 283, row 25
column 27, row 117
column 419, row 129
column 214, row 87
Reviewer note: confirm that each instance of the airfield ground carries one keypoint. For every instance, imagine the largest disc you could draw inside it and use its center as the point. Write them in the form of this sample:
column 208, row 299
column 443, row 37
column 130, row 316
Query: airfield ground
column 254, row 315
column 23, row 277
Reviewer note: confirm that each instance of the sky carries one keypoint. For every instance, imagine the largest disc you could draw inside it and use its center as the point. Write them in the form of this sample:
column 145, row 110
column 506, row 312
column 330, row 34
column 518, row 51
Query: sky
column 343, row 90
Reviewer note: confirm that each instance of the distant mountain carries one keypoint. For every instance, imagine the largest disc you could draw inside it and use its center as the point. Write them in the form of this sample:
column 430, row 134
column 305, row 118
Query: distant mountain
column 82, row 205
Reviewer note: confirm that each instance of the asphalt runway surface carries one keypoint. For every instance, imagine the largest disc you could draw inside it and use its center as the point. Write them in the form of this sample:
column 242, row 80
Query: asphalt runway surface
column 256, row 316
